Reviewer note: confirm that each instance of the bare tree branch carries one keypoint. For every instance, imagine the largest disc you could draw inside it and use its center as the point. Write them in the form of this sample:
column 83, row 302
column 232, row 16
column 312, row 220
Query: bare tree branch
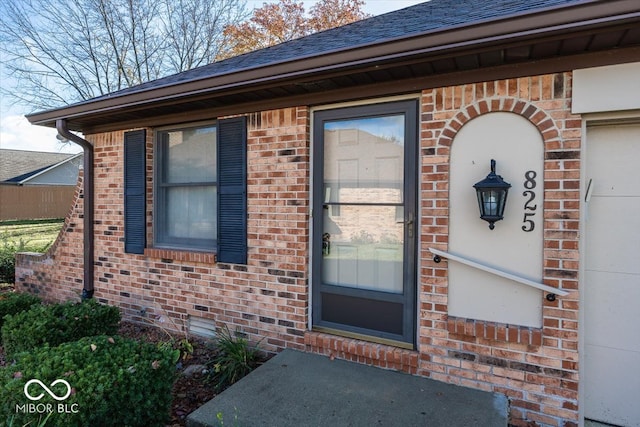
column 194, row 30
column 64, row 51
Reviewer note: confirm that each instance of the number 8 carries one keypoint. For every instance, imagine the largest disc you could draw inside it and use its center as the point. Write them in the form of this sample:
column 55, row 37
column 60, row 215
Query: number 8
column 530, row 182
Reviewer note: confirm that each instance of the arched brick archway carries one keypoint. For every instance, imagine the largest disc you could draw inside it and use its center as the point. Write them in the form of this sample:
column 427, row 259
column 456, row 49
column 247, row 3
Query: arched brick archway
column 538, row 117
column 447, row 344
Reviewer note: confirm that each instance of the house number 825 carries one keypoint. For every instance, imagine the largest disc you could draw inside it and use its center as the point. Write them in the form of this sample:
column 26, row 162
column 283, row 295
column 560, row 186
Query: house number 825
column 529, row 206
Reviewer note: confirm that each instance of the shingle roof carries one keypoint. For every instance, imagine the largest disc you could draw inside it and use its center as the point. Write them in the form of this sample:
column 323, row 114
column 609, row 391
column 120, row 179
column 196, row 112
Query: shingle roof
column 444, row 41
column 18, row 165
column 404, row 23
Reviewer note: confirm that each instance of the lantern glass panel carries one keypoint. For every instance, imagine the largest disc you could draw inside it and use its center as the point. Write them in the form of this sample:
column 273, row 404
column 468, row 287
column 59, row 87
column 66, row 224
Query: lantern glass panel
column 491, row 203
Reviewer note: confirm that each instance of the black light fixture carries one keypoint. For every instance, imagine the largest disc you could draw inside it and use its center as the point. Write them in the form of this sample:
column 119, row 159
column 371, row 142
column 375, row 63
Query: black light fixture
column 492, row 196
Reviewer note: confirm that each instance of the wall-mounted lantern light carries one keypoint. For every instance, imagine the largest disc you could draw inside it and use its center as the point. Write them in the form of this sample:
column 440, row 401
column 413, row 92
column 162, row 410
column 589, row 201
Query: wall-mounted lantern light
column 492, row 196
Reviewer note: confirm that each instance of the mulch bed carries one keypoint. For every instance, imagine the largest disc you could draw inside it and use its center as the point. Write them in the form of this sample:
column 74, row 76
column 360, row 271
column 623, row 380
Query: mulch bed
column 189, row 391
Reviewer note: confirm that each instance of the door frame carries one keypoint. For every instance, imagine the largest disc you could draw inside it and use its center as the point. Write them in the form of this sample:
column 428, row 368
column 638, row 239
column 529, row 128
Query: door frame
column 370, row 108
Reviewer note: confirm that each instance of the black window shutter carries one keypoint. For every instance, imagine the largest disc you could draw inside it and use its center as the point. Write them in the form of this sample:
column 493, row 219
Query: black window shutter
column 135, row 195
column 232, row 190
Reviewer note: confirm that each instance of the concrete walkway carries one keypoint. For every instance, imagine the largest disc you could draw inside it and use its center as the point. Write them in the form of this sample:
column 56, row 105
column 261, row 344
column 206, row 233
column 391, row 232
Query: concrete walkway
column 304, row 390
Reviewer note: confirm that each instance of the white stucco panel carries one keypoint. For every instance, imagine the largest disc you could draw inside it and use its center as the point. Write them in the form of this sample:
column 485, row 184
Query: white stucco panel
column 518, row 149
column 610, row 88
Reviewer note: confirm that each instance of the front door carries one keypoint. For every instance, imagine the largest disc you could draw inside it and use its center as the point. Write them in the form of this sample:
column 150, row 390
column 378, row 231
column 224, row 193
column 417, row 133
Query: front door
column 364, row 221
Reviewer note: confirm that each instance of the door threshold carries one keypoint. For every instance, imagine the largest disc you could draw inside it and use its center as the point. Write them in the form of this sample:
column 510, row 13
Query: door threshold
column 363, row 337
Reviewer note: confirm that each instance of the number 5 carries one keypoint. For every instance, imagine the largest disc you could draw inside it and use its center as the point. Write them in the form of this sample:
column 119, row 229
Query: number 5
column 529, row 222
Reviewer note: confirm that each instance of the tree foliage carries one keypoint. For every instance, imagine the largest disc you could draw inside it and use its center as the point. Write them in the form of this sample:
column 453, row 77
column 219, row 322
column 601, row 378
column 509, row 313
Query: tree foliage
column 275, row 23
column 64, row 51
column 328, row 14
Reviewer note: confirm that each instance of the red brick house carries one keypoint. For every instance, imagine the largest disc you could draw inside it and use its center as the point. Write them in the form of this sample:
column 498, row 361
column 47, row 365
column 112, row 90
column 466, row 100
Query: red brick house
column 299, row 193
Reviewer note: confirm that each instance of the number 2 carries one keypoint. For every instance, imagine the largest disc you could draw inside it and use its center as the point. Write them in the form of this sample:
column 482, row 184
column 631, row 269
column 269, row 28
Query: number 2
column 532, row 196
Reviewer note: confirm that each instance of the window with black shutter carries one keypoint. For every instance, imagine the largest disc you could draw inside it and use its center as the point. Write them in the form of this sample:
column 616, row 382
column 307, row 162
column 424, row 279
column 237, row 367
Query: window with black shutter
column 199, row 190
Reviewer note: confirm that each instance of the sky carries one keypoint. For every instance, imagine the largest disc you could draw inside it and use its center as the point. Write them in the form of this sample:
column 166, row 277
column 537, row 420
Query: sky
column 18, row 134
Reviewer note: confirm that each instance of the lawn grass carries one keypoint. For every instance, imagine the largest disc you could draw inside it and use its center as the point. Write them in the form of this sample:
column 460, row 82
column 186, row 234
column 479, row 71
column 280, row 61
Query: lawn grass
column 32, row 236
column 24, row 236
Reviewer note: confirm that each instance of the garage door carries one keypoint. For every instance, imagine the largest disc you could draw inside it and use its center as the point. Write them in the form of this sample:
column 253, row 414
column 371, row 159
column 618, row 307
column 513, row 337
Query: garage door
column 611, row 370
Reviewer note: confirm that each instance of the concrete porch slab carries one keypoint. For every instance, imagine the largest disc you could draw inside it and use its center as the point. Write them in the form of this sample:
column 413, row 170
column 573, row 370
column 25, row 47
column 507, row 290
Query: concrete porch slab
column 303, row 389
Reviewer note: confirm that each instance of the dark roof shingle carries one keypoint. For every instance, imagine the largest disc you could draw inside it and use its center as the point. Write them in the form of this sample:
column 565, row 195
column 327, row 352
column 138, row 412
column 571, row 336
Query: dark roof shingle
column 403, row 23
column 17, row 165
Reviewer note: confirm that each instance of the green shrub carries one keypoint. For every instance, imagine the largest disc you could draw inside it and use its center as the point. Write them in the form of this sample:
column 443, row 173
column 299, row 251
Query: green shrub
column 7, row 265
column 13, row 303
column 8, row 248
column 58, row 323
column 114, row 381
column 235, row 358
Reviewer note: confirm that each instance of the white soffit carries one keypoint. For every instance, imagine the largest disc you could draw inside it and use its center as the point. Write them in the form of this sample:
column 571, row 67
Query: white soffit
column 610, row 88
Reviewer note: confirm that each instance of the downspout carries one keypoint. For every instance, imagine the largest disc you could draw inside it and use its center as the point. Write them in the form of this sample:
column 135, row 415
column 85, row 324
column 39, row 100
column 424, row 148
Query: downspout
column 63, row 131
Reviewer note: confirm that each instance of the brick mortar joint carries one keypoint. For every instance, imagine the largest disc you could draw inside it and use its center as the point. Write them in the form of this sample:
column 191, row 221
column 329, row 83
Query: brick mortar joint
column 378, row 351
column 469, row 327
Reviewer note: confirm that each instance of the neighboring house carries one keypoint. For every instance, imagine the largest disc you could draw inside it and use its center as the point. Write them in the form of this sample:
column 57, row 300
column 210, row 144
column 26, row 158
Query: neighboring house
column 37, row 184
column 296, row 193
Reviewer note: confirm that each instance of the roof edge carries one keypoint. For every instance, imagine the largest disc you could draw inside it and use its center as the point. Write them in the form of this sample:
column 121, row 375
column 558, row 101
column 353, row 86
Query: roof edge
column 47, row 169
column 573, row 16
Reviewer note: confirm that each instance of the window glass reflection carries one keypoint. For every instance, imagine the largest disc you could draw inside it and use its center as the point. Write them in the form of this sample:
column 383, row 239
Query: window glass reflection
column 363, row 160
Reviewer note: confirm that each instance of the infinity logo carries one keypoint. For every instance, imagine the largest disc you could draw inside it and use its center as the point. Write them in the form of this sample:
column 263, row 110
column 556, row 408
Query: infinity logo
column 45, row 388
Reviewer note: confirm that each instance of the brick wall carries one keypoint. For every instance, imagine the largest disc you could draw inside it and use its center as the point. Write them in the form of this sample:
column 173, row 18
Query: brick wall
column 57, row 275
column 265, row 298
column 536, row 368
